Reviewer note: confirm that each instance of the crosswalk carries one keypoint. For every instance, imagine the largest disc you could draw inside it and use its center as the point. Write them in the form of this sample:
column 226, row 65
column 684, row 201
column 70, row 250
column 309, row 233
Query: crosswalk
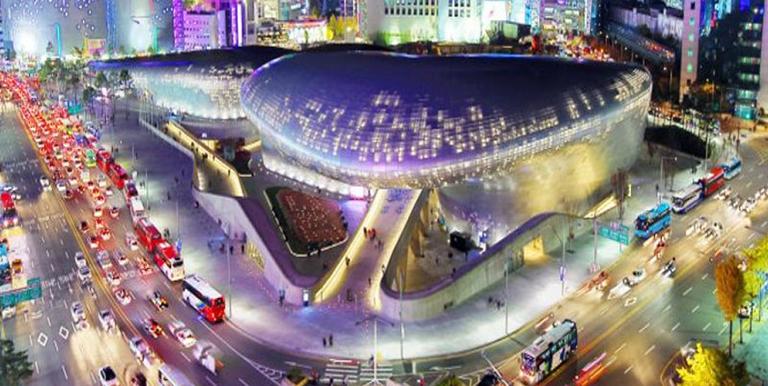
column 352, row 372
column 384, row 371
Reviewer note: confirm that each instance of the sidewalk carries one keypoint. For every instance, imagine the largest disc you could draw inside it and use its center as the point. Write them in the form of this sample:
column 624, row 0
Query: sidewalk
column 256, row 310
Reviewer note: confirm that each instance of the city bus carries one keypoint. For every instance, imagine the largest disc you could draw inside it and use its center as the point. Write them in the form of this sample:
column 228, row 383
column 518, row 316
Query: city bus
column 117, row 174
column 10, row 216
column 203, row 298
column 168, row 260
column 147, row 234
column 732, row 168
column 548, row 352
column 653, row 220
column 687, row 198
column 103, row 160
column 171, row 376
column 713, row 181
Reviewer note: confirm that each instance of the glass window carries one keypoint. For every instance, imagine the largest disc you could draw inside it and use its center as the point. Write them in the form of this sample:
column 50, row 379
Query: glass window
column 691, row 37
column 692, row 21
column 689, row 67
column 690, row 52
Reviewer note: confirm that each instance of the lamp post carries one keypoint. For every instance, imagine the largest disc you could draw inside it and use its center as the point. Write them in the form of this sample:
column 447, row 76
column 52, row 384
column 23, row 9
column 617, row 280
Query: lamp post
column 661, row 174
column 375, row 319
column 506, row 297
column 562, row 262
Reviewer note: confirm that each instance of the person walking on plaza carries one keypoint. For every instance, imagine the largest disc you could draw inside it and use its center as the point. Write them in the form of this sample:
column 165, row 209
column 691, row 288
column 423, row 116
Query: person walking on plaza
column 325, row 344
column 330, row 340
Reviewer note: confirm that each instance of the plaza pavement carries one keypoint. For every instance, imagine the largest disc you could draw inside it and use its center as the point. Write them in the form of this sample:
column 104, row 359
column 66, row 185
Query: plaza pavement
column 255, row 308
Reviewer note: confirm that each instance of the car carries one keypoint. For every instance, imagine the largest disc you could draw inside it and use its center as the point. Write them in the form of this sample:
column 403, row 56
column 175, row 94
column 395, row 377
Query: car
column 103, row 258
column 58, row 154
column 8, row 312
column 98, row 211
column 65, row 163
column 99, row 224
column 77, row 310
column 144, row 268
column 67, row 194
column 107, row 376
column 114, row 212
column 113, row 278
column 102, row 182
column 131, row 242
column 84, row 227
column 121, row 258
column 669, row 269
column 73, row 183
column 105, row 234
column 90, row 184
column 138, row 379
column 99, row 200
column 95, row 191
column 45, row 183
column 723, row 194
column 158, row 300
column 153, row 328
column 141, row 350
column 636, row 277
column 107, row 320
column 80, row 260
column 123, row 296
column 70, row 172
column 108, row 191
column 620, row 289
column 84, row 273
column 182, row 333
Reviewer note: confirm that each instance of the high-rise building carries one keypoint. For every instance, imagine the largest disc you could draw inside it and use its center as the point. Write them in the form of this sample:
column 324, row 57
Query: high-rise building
column 209, row 24
column 722, row 44
column 2, row 37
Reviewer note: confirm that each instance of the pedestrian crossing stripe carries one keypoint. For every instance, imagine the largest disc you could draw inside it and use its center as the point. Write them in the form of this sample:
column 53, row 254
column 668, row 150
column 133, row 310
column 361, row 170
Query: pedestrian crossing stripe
column 340, row 371
column 383, row 371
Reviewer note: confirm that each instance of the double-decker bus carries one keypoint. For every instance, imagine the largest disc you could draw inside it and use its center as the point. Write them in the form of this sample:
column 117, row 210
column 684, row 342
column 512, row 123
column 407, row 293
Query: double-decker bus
column 203, row 298
column 732, row 168
column 147, row 234
column 168, row 260
column 117, row 174
column 548, row 352
column 10, row 215
column 171, row 376
column 687, row 198
column 653, row 220
column 713, row 181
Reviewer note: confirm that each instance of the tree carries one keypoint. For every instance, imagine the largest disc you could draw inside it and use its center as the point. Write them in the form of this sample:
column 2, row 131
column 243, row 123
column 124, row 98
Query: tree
column 711, row 367
column 14, row 365
column 450, row 380
column 730, row 293
column 101, row 80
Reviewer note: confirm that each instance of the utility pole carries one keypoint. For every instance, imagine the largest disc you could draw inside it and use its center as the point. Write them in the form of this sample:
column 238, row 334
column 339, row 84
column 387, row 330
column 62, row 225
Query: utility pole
column 229, row 280
column 375, row 319
column 506, row 297
column 402, row 325
column 595, row 266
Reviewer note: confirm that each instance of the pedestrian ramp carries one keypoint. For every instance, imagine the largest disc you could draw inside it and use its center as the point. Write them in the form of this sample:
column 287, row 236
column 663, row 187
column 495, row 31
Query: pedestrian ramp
column 339, row 370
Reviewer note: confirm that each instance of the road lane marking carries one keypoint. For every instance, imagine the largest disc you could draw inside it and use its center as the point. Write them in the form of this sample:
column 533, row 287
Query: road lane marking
column 61, row 241
column 185, row 356
column 628, row 369
column 714, row 291
column 707, row 326
column 620, row 348
column 723, row 329
column 52, row 268
column 243, row 382
column 644, row 327
column 675, row 326
column 65, row 372
column 47, row 253
column 37, row 369
column 667, row 308
column 695, row 309
column 705, row 276
column 688, row 291
column 613, row 359
column 210, row 381
column 49, row 320
column 649, row 350
column 56, row 345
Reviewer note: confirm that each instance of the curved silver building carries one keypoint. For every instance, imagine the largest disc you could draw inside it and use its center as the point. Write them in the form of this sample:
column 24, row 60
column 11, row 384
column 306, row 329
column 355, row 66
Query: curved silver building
column 384, row 120
column 200, row 83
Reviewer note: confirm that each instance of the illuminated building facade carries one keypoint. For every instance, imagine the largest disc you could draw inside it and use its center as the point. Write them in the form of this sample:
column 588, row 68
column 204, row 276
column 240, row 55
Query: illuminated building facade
column 432, row 121
column 209, row 24
column 2, row 37
column 203, row 83
column 565, row 17
column 401, row 21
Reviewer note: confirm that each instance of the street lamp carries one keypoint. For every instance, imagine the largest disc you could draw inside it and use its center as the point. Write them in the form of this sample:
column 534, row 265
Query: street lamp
column 661, row 174
column 375, row 319
column 562, row 262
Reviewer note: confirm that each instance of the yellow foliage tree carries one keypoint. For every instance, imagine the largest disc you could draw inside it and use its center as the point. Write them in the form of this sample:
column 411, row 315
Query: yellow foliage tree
column 711, row 367
column 730, row 292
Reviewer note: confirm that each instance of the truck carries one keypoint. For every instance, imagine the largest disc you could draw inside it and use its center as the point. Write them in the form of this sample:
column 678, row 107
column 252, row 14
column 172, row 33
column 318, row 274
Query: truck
column 148, row 235
column 136, row 207
column 10, row 215
column 117, row 174
column 203, row 353
column 103, row 160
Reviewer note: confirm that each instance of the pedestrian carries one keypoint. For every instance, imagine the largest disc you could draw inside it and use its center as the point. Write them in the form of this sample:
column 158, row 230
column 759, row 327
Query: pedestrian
column 330, row 381
column 365, row 232
column 330, row 340
column 231, row 249
column 370, row 282
column 347, row 260
column 242, row 249
column 324, row 342
column 168, row 194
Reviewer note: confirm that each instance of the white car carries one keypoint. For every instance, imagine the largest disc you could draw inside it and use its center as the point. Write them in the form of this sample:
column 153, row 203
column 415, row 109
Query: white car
column 107, row 377
column 78, row 315
column 183, row 334
column 107, row 320
column 80, row 259
column 73, row 181
column 84, row 274
column 141, row 350
column 637, row 276
column 98, row 212
column 724, row 194
column 620, row 289
column 102, row 182
column 123, row 296
column 113, row 278
column 104, row 260
column 61, row 186
column 45, row 183
column 108, row 191
column 65, row 163
column 121, row 258
column 131, row 242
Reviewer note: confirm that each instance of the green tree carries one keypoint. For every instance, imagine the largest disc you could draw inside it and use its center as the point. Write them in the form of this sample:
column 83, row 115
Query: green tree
column 101, row 80
column 712, row 367
column 450, row 380
column 730, row 293
column 14, row 365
